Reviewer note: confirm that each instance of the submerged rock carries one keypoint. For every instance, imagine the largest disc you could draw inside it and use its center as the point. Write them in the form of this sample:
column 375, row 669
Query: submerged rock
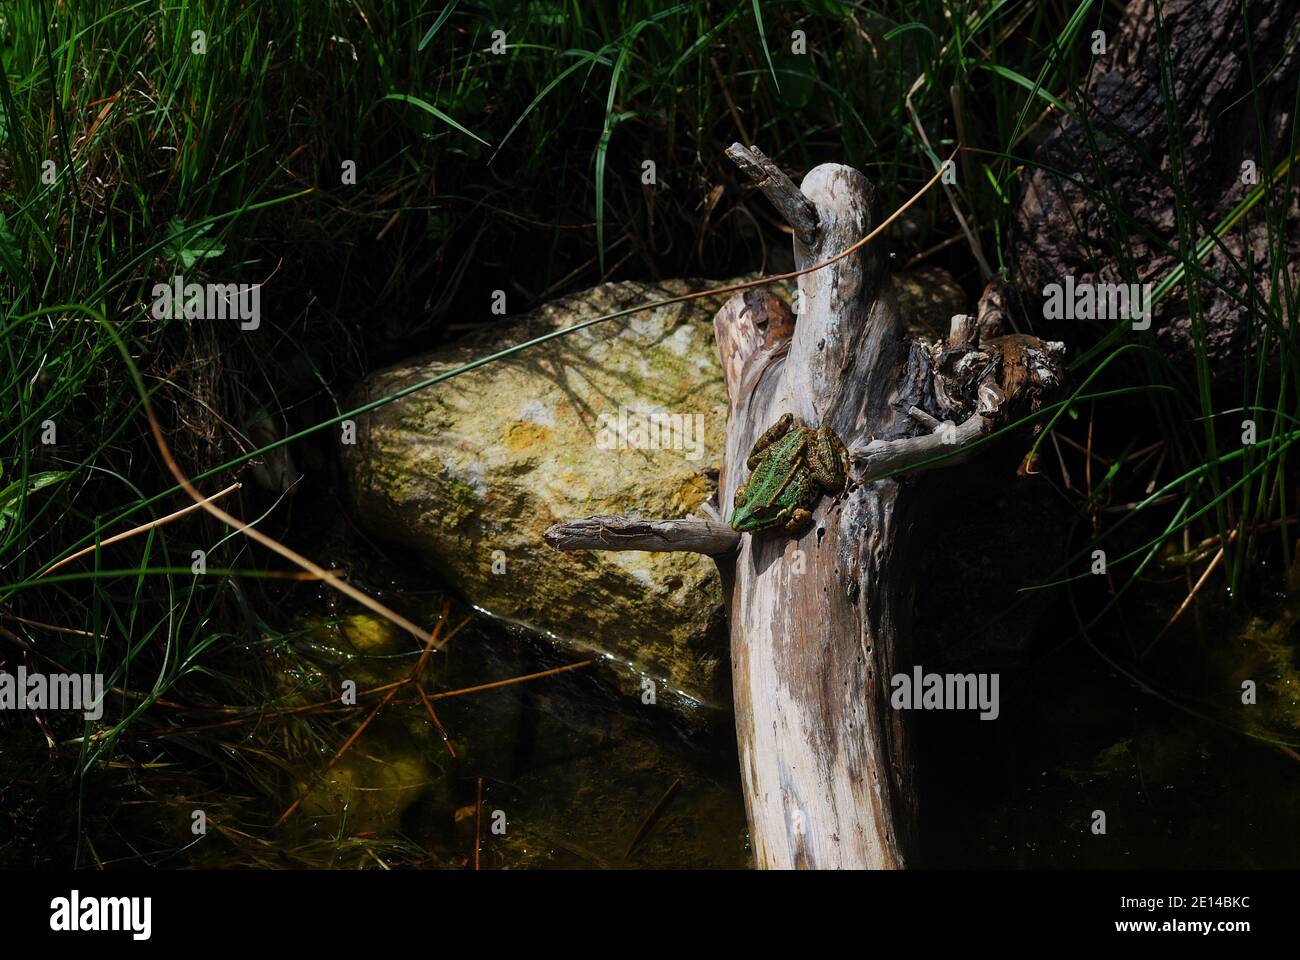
column 470, row 472
column 368, row 789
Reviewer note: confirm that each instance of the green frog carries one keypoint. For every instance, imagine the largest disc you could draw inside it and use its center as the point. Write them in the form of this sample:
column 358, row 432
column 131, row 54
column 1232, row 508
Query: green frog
column 791, row 465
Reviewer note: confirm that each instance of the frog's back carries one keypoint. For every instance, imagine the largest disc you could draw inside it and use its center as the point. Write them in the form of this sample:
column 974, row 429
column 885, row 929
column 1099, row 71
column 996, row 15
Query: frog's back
column 774, row 471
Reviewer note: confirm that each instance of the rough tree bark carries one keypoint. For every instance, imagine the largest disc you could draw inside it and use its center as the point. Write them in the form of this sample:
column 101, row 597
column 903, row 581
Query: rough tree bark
column 819, row 623
column 1094, row 196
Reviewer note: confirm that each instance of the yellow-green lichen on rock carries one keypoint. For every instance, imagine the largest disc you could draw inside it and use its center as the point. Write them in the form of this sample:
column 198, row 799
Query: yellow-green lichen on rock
column 471, row 472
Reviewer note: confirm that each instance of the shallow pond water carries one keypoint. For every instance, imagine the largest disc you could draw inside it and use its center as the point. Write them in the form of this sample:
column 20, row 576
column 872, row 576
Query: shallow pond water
column 1178, row 792
column 573, row 767
column 576, row 771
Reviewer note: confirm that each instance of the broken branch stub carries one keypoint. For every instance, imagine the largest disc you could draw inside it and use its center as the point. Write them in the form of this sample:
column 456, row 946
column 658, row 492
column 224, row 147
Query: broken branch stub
column 797, row 209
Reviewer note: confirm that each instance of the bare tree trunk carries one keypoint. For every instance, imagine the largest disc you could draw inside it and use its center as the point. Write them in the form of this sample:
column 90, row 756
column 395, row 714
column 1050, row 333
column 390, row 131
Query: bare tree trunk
column 815, row 620
column 819, row 622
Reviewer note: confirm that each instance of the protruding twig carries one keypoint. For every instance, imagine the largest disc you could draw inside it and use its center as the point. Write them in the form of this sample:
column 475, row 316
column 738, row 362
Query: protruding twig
column 961, row 332
column 923, row 418
column 788, row 199
column 881, row 457
column 691, row 534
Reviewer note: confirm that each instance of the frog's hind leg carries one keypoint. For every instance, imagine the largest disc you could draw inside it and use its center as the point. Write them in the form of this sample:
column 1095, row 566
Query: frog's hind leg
column 772, row 434
column 828, row 460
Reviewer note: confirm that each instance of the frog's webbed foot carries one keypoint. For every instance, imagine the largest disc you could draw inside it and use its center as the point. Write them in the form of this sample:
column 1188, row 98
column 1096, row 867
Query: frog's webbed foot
column 772, row 434
column 828, row 460
column 800, row 520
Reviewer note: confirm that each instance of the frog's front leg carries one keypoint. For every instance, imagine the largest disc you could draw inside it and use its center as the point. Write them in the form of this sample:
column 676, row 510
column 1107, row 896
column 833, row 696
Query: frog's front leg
column 800, row 520
column 772, row 434
column 828, row 460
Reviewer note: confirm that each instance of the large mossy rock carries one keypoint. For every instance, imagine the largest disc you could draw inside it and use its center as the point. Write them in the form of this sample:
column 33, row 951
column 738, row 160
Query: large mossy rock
column 470, row 472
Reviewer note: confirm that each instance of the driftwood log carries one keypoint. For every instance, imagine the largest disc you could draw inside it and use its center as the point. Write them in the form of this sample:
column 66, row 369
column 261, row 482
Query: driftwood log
column 819, row 623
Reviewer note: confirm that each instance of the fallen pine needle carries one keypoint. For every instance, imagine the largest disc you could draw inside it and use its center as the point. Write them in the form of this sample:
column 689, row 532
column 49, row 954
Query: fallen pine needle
column 1187, row 601
column 478, row 822
column 141, row 529
column 654, row 816
column 506, row 683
